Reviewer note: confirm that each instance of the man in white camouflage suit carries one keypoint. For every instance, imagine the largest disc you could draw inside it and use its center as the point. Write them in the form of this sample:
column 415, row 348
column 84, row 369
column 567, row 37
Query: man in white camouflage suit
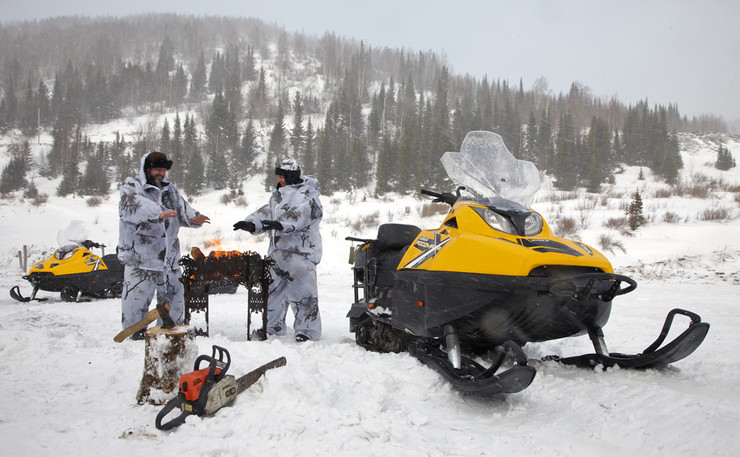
column 151, row 212
column 292, row 217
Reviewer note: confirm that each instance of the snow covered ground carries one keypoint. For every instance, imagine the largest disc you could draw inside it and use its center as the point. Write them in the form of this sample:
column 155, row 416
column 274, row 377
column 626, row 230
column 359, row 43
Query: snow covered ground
column 70, row 390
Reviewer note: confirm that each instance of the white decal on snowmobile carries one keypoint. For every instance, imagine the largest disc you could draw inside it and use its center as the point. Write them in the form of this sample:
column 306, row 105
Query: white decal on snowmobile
column 424, row 256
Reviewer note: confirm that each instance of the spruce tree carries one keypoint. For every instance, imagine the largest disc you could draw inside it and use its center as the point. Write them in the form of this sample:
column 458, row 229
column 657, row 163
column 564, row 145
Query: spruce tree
column 95, row 179
column 70, row 178
column 177, row 173
column 13, row 176
column 217, row 171
column 276, row 149
column 199, row 80
column 124, row 163
column 297, row 139
column 599, row 153
column 725, row 160
column 309, row 155
column 244, row 154
column 195, row 171
column 634, row 212
column 564, row 167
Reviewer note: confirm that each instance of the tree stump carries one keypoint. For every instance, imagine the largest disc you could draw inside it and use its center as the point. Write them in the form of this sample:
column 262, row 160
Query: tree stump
column 169, row 353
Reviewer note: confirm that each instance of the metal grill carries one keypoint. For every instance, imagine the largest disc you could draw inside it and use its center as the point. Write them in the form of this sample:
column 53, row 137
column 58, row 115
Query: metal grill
column 203, row 276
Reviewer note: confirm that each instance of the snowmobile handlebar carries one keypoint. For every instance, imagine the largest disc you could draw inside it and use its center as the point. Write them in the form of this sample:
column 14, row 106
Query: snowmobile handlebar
column 91, row 244
column 444, row 197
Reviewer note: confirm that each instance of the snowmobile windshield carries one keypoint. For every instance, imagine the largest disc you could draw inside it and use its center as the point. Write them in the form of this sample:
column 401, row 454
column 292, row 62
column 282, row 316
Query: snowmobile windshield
column 75, row 233
column 65, row 252
column 488, row 171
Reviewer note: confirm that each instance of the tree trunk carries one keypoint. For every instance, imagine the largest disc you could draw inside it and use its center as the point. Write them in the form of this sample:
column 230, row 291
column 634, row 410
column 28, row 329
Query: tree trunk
column 169, row 353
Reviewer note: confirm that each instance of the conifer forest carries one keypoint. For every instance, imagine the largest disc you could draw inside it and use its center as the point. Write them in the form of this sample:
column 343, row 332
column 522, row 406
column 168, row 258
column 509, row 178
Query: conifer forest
column 236, row 94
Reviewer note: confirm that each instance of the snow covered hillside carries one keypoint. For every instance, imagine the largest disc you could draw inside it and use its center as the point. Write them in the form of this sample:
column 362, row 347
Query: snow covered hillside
column 70, row 390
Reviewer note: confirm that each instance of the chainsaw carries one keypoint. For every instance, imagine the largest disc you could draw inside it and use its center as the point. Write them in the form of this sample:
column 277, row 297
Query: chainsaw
column 206, row 390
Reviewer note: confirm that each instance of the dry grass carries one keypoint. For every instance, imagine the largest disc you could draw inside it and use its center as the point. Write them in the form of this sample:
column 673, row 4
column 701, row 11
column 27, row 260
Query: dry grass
column 608, row 243
column 433, row 209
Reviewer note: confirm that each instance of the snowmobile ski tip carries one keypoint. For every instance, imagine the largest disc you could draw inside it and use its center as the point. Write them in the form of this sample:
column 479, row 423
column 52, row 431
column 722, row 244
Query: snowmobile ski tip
column 653, row 356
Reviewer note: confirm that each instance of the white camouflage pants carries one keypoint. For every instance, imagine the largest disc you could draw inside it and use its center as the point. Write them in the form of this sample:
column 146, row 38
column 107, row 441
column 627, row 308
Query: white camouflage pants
column 139, row 287
column 293, row 285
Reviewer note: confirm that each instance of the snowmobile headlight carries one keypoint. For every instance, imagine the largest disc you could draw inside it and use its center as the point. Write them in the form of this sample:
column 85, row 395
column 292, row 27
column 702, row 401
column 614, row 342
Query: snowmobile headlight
column 532, row 224
column 496, row 220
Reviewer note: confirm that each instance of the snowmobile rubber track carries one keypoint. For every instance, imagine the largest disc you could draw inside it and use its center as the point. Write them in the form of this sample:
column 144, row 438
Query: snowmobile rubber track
column 652, row 357
column 474, row 379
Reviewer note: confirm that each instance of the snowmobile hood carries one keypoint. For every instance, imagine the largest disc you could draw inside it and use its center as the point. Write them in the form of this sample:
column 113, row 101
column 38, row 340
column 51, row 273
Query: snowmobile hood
column 466, row 242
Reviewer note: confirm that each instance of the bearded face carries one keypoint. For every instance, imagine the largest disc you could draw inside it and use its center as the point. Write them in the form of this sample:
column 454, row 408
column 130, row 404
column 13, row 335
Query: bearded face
column 155, row 176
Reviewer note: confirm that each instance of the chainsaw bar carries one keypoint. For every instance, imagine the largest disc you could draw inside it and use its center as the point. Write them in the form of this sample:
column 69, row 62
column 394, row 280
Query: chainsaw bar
column 253, row 376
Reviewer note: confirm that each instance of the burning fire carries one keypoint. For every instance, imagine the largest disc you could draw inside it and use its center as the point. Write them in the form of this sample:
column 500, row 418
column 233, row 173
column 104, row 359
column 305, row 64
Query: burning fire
column 214, row 244
column 219, row 264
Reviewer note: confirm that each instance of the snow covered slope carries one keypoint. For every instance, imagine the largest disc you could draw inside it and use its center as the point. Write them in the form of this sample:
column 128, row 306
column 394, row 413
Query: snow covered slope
column 70, row 390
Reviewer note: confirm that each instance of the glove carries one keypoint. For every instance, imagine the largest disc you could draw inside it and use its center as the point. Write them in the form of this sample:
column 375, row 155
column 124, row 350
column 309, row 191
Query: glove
column 272, row 225
column 244, row 225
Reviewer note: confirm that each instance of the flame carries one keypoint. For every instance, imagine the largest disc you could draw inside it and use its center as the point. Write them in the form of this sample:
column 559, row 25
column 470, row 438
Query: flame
column 214, row 244
column 223, row 254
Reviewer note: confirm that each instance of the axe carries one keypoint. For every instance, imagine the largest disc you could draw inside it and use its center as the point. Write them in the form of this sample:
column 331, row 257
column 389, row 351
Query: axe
column 162, row 311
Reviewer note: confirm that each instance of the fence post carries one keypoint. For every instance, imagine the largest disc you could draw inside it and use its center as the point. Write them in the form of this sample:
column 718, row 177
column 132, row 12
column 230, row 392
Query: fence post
column 23, row 258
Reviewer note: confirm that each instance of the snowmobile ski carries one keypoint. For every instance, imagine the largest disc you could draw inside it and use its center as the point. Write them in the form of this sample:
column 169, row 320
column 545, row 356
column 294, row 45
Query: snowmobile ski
column 473, row 378
column 15, row 294
column 654, row 356
column 205, row 391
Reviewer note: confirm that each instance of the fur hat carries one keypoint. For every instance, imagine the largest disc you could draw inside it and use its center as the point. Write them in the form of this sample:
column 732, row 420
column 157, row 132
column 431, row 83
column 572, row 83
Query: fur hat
column 289, row 169
column 157, row 159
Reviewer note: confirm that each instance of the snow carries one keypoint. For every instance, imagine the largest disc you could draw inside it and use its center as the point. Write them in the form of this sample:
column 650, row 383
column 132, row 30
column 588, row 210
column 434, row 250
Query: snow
column 70, row 390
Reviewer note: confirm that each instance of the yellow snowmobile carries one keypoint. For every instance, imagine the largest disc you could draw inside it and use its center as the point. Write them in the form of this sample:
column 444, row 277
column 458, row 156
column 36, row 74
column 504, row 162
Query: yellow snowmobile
column 75, row 272
column 491, row 278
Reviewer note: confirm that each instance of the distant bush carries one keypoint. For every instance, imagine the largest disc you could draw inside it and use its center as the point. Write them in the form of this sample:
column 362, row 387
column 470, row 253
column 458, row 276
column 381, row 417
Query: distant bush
column 608, row 243
column 559, row 196
column 369, row 220
column 616, row 223
column 664, row 192
column 434, row 209
column 671, row 218
column 94, row 202
column 40, row 199
column 566, row 226
column 716, row 213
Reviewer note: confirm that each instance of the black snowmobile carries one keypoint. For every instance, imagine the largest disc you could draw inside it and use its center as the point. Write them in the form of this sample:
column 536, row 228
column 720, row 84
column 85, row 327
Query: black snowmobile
column 75, row 272
column 490, row 279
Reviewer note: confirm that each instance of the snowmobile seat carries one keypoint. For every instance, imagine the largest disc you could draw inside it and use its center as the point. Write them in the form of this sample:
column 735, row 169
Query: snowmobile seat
column 395, row 236
column 114, row 265
column 375, row 265
column 392, row 242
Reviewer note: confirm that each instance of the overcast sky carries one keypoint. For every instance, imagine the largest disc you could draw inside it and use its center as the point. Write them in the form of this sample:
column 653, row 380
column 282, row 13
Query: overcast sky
column 668, row 51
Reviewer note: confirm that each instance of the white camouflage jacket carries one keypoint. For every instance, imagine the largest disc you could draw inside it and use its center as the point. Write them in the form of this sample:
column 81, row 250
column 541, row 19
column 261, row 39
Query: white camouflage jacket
column 298, row 208
column 144, row 240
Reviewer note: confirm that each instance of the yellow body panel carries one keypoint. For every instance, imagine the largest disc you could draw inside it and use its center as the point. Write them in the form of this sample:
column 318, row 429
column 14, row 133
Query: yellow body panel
column 79, row 260
column 475, row 247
